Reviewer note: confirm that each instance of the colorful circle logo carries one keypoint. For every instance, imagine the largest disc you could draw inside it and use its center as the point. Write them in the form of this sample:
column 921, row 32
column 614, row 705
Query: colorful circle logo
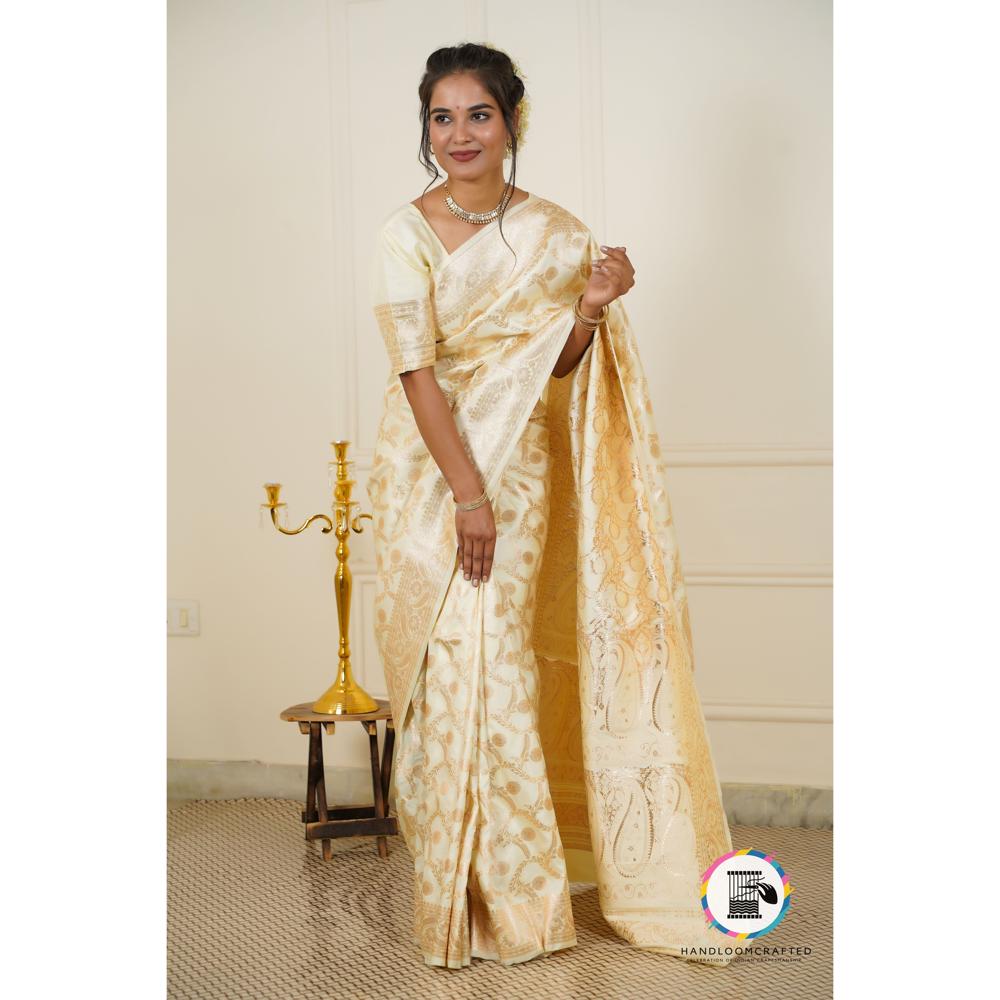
column 745, row 893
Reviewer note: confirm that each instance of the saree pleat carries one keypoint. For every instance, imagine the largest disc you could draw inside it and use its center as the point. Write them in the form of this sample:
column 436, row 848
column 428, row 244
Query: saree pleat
column 548, row 722
column 470, row 782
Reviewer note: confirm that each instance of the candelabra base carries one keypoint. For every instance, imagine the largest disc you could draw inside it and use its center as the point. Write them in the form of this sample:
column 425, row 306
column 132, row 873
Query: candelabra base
column 345, row 699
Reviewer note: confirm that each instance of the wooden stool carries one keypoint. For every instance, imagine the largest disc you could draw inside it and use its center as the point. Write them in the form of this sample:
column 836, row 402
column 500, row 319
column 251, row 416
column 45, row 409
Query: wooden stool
column 323, row 822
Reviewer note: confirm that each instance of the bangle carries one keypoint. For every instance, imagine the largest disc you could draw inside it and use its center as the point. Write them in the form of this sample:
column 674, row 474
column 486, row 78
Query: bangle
column 471, row 504
column 589, row 322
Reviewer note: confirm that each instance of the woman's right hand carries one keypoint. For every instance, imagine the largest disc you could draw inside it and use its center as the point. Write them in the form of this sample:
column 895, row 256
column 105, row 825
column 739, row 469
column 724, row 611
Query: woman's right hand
column 476, row 531
column 610, row 277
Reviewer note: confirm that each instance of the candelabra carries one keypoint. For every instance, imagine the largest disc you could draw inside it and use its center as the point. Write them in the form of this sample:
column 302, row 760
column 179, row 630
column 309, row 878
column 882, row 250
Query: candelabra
column 345, row 696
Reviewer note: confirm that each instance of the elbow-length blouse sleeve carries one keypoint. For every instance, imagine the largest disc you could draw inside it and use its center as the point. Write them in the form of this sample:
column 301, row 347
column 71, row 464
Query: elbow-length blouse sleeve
column 401, row 298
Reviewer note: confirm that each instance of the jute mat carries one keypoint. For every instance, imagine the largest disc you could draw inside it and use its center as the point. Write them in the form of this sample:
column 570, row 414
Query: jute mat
column 254, row 912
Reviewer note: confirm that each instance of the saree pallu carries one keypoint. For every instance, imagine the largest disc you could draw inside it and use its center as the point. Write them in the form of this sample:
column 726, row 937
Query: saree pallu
column 548, row 723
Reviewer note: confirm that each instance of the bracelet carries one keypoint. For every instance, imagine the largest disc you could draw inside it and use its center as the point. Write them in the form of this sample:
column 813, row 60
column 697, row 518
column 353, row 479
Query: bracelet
column 588, row 322
column 471, row 504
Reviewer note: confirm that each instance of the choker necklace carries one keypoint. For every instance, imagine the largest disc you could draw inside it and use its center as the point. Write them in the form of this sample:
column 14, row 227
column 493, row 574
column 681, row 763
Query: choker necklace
column 476, row 218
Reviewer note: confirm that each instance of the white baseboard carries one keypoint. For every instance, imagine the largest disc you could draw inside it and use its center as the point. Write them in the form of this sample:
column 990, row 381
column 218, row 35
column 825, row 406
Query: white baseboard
column 746, row 804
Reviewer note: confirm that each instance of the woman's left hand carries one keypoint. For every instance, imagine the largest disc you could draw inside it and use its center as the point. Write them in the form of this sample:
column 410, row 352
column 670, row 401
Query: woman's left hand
column 610, row 277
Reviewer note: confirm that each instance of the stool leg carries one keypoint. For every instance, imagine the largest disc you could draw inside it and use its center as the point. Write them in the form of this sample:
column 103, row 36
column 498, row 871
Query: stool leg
column 316, row 733
column 390, row 738
column 372, row 727
column 314, row 751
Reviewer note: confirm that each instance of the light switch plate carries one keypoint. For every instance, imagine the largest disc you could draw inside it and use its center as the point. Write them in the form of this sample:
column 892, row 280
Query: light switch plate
column 183, row 617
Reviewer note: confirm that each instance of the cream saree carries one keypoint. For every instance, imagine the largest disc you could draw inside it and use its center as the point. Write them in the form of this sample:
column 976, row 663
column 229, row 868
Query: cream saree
column 548, row 725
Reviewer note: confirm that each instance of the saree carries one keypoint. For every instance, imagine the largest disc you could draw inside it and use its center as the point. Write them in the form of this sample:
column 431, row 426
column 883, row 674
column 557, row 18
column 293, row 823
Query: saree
column 548, row 725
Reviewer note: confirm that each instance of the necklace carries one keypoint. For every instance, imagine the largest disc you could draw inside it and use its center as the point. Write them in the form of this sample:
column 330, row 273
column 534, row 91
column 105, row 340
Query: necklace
column 476, row 218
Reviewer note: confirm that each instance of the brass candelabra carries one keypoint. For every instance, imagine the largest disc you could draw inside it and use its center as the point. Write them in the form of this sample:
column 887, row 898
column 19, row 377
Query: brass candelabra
column 345, row 696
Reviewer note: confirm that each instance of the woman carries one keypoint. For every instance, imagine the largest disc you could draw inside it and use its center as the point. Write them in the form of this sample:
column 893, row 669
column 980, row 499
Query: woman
column 531, row 614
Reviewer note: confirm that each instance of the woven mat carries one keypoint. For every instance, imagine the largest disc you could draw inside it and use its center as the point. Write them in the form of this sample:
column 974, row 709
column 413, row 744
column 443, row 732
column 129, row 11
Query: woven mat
column 254, row 912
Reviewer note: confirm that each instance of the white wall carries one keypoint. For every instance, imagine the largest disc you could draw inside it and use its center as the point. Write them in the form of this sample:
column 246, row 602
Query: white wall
column 695, row 132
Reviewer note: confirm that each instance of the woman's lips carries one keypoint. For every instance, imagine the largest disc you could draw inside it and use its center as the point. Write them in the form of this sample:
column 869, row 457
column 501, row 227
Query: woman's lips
column 465, row 157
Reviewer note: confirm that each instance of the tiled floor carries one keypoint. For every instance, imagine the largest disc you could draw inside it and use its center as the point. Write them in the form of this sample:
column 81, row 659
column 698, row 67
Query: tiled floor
column 255, row 912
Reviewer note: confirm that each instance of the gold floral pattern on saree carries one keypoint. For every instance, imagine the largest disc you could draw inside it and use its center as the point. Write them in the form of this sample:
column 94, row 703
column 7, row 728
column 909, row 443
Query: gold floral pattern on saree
column 619, row 732
column 470, row 785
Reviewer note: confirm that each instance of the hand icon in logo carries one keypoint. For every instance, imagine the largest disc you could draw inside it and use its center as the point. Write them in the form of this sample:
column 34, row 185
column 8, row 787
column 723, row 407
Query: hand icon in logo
column 766, row 890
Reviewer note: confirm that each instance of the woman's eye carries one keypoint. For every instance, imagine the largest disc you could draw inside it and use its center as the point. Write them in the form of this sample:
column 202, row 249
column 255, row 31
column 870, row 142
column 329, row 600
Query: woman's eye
column 441, row 119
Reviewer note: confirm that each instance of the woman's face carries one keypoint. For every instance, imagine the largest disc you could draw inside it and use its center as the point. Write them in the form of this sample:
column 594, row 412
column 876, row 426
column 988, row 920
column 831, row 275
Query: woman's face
column 464, row 117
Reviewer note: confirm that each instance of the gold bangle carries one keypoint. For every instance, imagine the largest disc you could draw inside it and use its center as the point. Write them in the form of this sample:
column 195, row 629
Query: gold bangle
column 589, row 322
column 471, row 504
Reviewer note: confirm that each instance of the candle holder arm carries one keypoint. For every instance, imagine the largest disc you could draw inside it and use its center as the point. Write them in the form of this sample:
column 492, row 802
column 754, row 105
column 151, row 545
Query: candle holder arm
column 275, row 503
column 356, row 526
